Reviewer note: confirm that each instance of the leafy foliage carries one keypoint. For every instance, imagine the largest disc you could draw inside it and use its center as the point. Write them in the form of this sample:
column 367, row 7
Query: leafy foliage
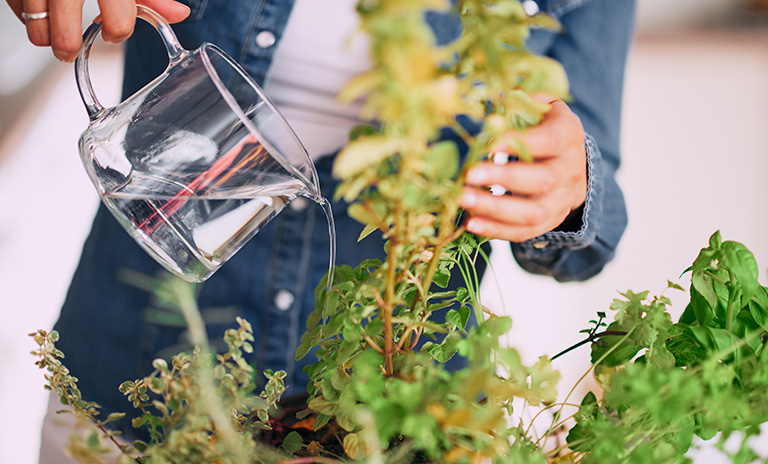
column 667, row 382
column 385, row 332
column 403, row 180
column 200, row 407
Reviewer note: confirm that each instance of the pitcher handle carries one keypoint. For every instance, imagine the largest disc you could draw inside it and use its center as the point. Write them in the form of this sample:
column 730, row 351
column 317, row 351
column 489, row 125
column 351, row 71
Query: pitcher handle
column 175, row 53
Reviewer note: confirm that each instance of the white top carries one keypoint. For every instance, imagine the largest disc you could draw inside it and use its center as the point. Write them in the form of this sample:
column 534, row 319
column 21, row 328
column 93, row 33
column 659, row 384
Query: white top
column 321, row 49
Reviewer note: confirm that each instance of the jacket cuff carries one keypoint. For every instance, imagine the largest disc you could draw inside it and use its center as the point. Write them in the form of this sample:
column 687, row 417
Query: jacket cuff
column 545, row 247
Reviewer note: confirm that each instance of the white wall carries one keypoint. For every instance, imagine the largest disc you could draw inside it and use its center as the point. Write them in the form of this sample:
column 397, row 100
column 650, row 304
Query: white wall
column 668, row 15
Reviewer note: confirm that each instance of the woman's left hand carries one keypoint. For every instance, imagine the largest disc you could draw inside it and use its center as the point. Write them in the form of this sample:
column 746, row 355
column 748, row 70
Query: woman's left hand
column 540, row 194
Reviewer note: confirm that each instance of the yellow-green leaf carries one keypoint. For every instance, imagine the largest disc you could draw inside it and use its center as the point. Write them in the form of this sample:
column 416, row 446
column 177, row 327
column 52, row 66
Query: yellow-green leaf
column 363, row 153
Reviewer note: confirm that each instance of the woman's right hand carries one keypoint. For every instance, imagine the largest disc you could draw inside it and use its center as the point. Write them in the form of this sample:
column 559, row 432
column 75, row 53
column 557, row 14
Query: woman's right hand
column 61, row 29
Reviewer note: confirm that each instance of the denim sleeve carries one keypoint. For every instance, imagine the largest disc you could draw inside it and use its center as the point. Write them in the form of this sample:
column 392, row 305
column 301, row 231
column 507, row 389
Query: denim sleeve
column 593, row 48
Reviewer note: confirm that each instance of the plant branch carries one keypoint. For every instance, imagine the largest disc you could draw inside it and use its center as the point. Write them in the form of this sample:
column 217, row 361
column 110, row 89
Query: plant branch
column 374, row 345
column 388, row 308
column 591, row 338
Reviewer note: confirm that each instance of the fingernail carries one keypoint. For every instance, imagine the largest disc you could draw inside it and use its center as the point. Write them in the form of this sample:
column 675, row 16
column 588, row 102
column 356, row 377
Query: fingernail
column 468, row 200
column 64, row 57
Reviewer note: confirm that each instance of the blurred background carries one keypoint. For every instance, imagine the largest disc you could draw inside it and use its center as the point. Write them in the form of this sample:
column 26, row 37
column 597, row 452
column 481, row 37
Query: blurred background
column 695, row 146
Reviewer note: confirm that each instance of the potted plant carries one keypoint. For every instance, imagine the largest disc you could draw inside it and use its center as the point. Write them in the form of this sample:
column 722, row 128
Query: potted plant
column 383, row 331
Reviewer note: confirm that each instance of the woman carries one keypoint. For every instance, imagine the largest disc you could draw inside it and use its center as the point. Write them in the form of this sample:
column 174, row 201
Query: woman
column 564, row 218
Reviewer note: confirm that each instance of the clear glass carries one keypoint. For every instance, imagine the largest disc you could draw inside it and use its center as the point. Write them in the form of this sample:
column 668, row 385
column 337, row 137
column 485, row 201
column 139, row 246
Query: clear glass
column 194, row 164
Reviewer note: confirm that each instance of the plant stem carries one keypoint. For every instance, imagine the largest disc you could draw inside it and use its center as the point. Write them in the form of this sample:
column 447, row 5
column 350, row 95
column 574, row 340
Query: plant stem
column 388, row 307
column 732, row 297
column 123, row 449
column 591, row 338
column 573, row 388
column 374, row 345
column 209, row 396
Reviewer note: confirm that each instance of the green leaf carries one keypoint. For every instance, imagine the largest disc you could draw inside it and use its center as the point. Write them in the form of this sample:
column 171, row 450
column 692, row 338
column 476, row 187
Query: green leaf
column 93, row 440
column 702, row 310
column 683, row 438
column 293, row 442
column 114, row 417
column 138, row 422
column 588, row 409
column 704, row 263
column 465, row 312
column 689, row 315
column 444, row 351
column 705, row 428
column 364, row 152
column 580, row 438
column 453, row 318
column 359, row 213
column 671, row 284
column 321, row 420
column 442, row 160
column 743, row 327
column 140, row 446
column 496, row 326
column 685, row 350
column 616, row 351
column 758, row 307
column 322, row 406
column 442, row 277
column 360, row 130
column 742, row 265
column 367, row 230
column 462, row 294
column 125, row 386
column 542, row 74
column 309, row 340
column 720, row 342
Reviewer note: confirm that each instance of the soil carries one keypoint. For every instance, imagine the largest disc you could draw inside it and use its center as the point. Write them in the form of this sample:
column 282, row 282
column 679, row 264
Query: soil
column 325, row 442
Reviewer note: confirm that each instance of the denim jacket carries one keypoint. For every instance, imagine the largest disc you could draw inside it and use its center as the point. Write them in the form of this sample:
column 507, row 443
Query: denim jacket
column 111, row 330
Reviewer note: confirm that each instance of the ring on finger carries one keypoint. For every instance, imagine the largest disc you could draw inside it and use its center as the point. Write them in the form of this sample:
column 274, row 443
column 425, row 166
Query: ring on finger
column 34, row 16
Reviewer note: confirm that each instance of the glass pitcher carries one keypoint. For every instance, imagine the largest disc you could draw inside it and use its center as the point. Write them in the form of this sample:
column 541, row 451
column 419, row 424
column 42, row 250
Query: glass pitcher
column 196, row 162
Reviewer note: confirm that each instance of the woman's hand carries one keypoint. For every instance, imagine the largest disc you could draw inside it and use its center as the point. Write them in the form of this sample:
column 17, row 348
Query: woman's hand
column 540, row 194
column 61, row 28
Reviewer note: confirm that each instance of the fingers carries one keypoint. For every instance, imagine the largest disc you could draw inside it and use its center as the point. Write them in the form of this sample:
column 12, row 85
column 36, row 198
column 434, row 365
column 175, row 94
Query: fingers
column 37, row 29
column 117, row 19
column 540, row 194
column 61, row 28
column 65, row 22
column 511, row 217
column 559, row 128
column 172, row 11
column 16, row 7
column 485, row 227
column 519, row 178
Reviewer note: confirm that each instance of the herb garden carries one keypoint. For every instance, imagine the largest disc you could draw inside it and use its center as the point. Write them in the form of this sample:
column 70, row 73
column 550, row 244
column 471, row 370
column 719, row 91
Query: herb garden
column 382, row 332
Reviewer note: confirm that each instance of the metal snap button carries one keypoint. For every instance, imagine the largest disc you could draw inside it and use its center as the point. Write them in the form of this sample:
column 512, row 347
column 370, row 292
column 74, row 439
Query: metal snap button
column 265, row 39
column 299, row 204
column 283, row 300
column 530, row 7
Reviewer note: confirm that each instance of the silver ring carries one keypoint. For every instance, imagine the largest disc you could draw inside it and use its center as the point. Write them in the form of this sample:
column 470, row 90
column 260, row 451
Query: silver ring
column 33, row 16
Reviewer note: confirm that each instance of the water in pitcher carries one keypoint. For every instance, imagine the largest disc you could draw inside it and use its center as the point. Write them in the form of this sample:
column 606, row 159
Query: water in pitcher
column 193, row 233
